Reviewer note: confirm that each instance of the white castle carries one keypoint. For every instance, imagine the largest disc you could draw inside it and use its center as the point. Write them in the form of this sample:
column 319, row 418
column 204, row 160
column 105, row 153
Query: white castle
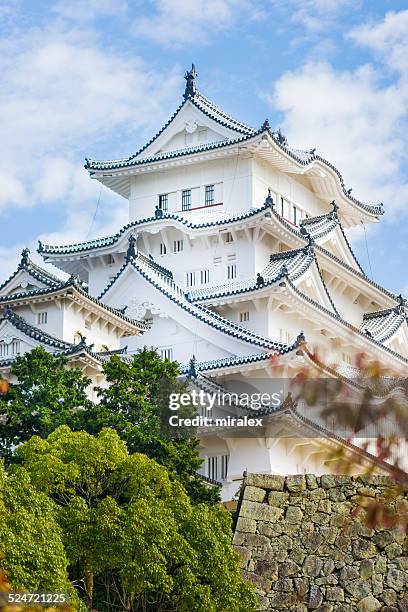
column 235, row 263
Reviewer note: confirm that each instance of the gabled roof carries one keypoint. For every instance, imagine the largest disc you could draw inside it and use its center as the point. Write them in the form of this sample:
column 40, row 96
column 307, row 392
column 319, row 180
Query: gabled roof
column 383, row 324
column 323, row 225
column 34, row 271
column 66, row 349
column 166, row 285
column 235, row 132
column 71, row 287
column 370, row 339
column 288, row 264
column 234, row 361
column 31, row 331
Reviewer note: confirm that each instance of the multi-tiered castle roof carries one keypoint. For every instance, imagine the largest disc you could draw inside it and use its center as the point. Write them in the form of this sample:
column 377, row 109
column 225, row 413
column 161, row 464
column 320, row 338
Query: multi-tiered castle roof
column 236, row 263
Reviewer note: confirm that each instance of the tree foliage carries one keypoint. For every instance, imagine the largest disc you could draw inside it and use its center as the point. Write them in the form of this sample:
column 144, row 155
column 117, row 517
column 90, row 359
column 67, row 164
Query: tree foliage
column 30, row 538
column 125, row 520
column 48, row 394
column 135, row 403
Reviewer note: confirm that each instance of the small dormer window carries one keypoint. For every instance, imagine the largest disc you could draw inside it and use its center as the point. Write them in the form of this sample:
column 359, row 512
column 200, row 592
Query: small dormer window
column 42, row 318
column 209, row 195
column 164, row 201
column 186, row 199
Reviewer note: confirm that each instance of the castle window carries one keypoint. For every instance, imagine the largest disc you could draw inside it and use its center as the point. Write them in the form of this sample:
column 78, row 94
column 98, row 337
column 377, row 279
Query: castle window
column 295, row 215
column 190, row 279
column 177, row 246
column 217, row 467
column 88, row 324
column 10, row 349
column 205, row 276
column 110, row 260
column 163, row 248
column 164, row 201
column 228, row 237
column 166, row 353
column 209, row 195
column 244, row 316
column 42, row 318
column 231, row 271
column 186, row 199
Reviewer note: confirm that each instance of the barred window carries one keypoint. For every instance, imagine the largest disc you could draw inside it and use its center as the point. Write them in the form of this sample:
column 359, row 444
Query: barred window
column 166, row 353
column 164, row 201
column 190, row 279
column 209, row 195
column 186, row 199
column 42, row 318
column 205, row 276
column 231, row 271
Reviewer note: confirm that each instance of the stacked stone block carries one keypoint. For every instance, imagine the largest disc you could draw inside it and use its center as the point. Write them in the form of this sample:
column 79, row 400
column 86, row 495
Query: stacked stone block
column 305, row 544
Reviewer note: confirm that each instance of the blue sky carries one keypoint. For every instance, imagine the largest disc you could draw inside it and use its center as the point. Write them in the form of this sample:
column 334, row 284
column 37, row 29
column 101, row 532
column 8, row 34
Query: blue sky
column 98, row 78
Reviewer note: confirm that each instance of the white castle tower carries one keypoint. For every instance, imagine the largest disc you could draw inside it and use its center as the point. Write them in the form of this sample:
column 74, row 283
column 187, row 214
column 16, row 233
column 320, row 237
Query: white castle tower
column 235, row 263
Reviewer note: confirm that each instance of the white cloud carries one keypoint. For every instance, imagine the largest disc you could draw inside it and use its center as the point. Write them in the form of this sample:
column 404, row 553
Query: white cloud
column 388, row 39
column 64, row 95
column 61, row 94
column 317, row 15
column 78, row 10
column 177, row 22
column 354, row 121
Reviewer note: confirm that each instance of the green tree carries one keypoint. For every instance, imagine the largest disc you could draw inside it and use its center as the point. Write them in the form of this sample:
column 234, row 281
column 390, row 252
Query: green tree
column 48, row 394
column 136, row 404
column 33, row 554
column 124, row 520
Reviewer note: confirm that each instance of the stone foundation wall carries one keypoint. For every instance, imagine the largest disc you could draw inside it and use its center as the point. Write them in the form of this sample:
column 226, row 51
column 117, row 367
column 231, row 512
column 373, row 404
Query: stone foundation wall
column 305, row 547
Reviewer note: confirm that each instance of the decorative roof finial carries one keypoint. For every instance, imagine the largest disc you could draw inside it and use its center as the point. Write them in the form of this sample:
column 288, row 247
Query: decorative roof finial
column 349, row 191
column 132, row 249
column 265, row 125
column 7, row 311
column 158, row 212
column 335, row 208
column 280, row 137
column 308, row 249
column 260, row 280
column 269, row 199
column 190, row 77
column 192, row 370
column 304, row 231
column 24, row 257
column 401, row 303
column 284, row 270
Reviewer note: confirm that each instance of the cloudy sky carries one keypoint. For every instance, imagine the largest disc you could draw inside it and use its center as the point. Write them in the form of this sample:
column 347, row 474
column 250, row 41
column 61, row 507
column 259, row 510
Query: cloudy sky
column 97, row 78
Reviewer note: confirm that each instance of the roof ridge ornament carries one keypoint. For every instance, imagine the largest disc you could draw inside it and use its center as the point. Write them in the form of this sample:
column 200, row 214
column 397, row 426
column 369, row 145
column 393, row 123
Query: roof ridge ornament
column 269, row 199
column 309, row 248
column 131, row 252
column 158, row 212
column 280, row 138
column 266, row 125
column 192, row 368
column 24, row 257
column 333, row 214
column 399, row 309
column 190, row 76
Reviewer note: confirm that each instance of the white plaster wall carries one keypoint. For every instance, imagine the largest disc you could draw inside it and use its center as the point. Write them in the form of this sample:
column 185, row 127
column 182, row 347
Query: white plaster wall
column 232, row 179
column 281, row 184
